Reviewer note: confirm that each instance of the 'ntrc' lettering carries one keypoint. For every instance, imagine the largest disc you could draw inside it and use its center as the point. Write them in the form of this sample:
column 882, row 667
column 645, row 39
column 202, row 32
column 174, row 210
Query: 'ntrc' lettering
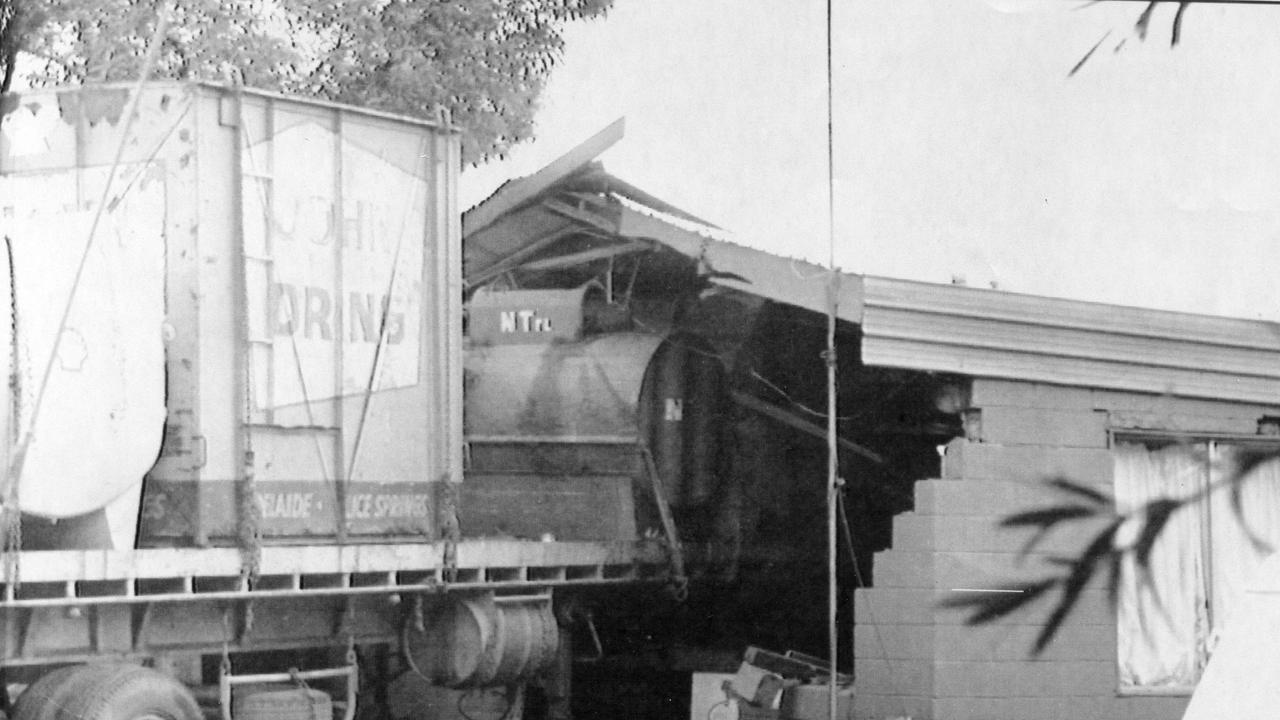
column 528, row 321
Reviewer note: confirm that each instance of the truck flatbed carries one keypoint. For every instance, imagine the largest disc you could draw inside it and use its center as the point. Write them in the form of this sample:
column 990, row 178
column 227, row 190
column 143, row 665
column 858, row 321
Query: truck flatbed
column 83, row 577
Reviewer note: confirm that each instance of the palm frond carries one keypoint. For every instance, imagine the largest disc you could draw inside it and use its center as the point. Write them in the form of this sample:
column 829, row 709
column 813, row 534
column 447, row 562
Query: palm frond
column 1045, row 519
column 1246, row 461
column 1067, row 485
column 1082, row 571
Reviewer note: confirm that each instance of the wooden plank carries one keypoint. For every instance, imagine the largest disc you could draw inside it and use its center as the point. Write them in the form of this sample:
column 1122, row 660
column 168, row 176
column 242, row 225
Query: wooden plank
column 586, row 217
column 586, row 256
column 513, row 260
column 519, row 192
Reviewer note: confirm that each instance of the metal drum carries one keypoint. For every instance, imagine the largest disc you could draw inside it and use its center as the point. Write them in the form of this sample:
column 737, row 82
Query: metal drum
column 482, row 641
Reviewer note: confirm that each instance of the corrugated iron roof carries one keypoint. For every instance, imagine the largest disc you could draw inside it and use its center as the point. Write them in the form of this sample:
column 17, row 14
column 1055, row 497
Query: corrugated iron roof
column 988, row 333
column 905, row 324
column 781, row 279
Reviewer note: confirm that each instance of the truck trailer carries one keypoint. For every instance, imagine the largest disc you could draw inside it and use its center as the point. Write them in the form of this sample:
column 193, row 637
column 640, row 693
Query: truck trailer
column 232, row 422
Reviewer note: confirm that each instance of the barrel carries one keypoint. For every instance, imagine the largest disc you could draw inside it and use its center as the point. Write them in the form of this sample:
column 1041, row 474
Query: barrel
column 484, row 640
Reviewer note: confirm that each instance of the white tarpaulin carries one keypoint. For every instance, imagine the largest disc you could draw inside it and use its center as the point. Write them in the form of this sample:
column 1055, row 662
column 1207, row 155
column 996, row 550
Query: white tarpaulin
column 1242, row 679
column 99, row 422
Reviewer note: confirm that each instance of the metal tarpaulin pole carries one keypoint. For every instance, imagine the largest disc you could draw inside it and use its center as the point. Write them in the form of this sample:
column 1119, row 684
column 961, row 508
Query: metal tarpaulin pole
column 833, row 451
column 833, row 488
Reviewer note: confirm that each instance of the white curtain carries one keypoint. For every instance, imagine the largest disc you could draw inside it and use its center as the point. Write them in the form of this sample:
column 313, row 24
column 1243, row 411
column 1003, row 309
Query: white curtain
column 1234, row 558
column 1169, row 623
column 1162, row 616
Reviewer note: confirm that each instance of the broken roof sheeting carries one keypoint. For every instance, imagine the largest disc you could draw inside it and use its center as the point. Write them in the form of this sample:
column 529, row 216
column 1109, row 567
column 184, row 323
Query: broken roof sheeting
column 905, row 324
column 785, row 280
column 514, row 194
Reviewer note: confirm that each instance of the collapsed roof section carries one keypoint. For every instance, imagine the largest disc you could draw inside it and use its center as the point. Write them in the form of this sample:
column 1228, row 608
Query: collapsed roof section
column 573, row 223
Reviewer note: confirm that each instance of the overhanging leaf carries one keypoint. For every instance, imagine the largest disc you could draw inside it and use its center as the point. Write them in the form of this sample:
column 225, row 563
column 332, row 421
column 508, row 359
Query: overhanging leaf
column 1156, row 515
column 1246, row 462
column 1083, row 491
column 1088, row 54
column 1049, row 516
column 1045, row 519
column 1102, row 548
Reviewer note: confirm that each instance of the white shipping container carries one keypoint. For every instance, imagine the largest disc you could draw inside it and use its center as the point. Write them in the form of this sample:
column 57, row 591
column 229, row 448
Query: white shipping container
column 269, row 302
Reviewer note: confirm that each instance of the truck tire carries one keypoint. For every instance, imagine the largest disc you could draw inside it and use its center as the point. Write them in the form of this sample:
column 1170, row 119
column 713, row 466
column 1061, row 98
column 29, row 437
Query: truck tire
column 41, row 699
column 123, row 692
column 290, row 704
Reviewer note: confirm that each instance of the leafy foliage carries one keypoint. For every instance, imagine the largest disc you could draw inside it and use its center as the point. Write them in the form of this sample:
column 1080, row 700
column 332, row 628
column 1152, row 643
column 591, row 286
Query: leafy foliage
column 1142, row 26
column 1246, row 461
column 1085, row 503
column 485, row 62
column 16, row 19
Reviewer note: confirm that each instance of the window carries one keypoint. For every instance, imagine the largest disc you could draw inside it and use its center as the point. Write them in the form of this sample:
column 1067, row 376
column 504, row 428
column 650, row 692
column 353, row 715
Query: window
column 1168, row 624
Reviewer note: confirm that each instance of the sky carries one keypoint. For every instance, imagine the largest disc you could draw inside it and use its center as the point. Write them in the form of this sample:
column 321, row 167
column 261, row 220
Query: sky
column 963, row 150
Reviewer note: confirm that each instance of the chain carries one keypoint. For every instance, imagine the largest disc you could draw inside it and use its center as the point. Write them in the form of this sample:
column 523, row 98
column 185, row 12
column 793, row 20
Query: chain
column 247, row 627
column 12, row 514
column 226, row 641
column 249, row 514
column 416, row 617
column 351, row 653
column 348, row 628
column 413, row 622
column 450, row 528
column 248, row 523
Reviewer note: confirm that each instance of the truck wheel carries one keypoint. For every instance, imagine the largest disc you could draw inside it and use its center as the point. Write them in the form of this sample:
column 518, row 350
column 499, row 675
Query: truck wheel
column 292, row 704
column 122, row 692
column 41, row 699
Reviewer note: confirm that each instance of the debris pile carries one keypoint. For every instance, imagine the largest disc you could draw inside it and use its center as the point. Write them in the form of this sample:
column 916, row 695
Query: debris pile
column 790, row 686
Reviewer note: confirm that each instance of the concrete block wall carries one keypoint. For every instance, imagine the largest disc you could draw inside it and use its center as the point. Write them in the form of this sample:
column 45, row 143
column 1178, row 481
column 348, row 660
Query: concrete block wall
column 914, row 658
